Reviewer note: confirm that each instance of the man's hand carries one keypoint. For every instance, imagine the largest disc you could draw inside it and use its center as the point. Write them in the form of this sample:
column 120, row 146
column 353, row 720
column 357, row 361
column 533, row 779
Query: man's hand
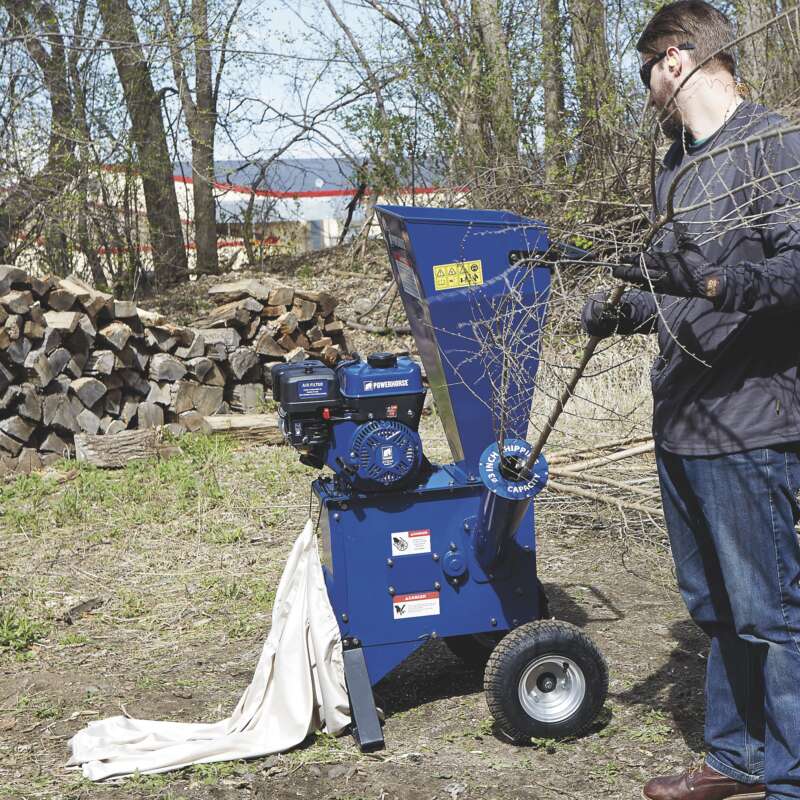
column 682, row 274
column 600, row 318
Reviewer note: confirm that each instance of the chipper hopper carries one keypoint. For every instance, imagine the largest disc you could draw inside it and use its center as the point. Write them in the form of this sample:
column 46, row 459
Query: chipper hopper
column 413, row 550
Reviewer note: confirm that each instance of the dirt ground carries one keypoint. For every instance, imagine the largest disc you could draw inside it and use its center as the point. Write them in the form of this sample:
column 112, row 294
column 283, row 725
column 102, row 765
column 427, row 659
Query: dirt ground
column 176, row 564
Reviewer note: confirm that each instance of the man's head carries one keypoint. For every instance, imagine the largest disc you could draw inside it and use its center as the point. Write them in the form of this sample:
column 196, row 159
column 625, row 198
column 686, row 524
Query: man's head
column 677, row 39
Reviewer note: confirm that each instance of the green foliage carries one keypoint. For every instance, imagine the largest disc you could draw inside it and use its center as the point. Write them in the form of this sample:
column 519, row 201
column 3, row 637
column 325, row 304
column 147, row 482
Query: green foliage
column 17, row 631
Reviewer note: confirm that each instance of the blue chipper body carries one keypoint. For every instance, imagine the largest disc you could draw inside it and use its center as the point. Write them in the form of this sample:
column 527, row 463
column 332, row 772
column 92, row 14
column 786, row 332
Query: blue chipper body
column 414, row 550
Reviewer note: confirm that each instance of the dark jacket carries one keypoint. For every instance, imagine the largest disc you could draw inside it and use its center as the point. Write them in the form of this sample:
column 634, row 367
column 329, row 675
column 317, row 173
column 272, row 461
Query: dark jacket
column 726, row 381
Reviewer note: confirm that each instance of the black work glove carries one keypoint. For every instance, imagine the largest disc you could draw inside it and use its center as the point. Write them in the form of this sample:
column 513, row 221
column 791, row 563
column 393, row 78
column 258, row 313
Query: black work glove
column 600, row 318
column 682, row 274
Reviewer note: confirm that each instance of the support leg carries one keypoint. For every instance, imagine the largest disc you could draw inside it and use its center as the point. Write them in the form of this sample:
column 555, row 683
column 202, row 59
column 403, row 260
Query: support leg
column 366, row 726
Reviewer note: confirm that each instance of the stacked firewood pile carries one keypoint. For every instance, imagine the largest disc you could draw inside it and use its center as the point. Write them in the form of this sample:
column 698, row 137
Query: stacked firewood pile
column 75, row 360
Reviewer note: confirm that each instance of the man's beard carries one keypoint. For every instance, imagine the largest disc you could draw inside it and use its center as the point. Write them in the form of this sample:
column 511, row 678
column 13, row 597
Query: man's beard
column 671, row 122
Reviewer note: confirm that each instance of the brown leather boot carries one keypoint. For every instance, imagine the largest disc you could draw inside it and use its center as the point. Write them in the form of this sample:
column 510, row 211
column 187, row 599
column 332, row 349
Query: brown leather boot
column 701, row 783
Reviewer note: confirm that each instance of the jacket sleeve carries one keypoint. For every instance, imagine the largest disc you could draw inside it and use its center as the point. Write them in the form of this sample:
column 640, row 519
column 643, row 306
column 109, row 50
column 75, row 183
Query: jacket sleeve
column 772, row 284
column 638, row 313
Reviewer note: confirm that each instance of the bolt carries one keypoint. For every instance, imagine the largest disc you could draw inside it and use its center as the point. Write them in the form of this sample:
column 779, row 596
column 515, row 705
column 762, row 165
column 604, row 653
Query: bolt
column 344, row 506
column 453, row 546
column 356, row 642
column 466, row 526
column 435, row 556
column 391, row 590
column 345, row 642
column 370, row 415
column 437, row 585
column 352, row 455
column 452, row 483
column 491, row 576
column 336, row 517
column 515, row 622
column 389, row 562
column 494, row 622
column 434, row 635
column 345, row 618
column 410, row 413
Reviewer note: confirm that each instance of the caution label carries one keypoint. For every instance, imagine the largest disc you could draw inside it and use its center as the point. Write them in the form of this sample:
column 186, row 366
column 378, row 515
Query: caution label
column 421, row 604
column 458, row 275
column 409, row 543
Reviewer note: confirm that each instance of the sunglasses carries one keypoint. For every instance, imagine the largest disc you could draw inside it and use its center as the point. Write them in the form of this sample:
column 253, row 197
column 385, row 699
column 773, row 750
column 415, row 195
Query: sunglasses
column 647, row 68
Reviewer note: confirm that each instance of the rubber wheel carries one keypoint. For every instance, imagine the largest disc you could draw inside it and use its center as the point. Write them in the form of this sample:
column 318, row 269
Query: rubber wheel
column 473, row 649
column 545, row 680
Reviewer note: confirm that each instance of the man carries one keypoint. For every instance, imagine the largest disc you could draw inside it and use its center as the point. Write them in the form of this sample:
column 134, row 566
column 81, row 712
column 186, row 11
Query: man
column 720, row 285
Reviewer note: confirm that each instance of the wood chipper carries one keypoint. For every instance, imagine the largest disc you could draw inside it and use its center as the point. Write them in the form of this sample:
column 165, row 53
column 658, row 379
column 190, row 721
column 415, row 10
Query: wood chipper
column 413, row 550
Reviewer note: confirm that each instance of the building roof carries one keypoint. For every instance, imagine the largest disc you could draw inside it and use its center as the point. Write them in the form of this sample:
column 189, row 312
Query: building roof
column 298, row 177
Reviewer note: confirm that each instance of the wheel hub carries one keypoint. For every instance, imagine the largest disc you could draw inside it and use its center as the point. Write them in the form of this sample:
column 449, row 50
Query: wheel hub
column 552, row 688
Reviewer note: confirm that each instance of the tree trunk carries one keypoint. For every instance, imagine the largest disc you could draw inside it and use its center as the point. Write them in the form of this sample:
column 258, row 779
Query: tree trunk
column 147, row 130
column 553, row 85
column 594, row 81
column 31, row 21
column 754, row 52
column 496, row 85
column 202, row 134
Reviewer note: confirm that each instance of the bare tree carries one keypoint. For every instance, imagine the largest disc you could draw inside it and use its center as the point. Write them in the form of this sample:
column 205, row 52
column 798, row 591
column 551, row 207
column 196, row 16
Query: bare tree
column 147, row 131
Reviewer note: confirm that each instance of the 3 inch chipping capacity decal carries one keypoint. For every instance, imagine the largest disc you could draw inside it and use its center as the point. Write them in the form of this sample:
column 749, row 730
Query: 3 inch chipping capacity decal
column 409, row 543
column 420, row 604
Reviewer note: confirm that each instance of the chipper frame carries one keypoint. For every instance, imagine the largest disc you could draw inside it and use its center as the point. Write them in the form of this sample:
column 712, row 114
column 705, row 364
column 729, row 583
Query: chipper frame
column 415, row 551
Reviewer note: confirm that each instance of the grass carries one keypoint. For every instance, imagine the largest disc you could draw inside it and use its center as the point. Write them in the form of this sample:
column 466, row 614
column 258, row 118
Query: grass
column 17, row 631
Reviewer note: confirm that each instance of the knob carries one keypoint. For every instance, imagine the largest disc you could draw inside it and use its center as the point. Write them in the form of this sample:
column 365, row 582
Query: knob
column 382, row 360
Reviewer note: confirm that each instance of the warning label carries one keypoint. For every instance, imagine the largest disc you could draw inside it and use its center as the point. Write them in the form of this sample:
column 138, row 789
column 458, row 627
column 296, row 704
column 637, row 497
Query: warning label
column 408, row 543
column 408, row 280
column 458, row 275
column 421, row 604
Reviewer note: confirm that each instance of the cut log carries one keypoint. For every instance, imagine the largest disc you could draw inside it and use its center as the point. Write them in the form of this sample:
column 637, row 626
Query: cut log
column 134, row 358
column 194, row 422
column 150, row 415
column 117, row 335
column 261, row 428
column 214, row 377
column 92, row 301
column 281, row 296
column 51, row 340
column 298, row 354
column 247, row 397
column 13, row 278
column 88, row 421
column 116, row 426
column 199, row 367
column 55, row 444
column 14, row 326
column 238, row 290
column 208, row 399
column 228, row 337
column 194, row 350
column 124, row 309
column 217, row 351
column 326, row 302
column 29, row 461
column 128, row 411
column 9, row 445
column 266, row 345
column 101, row 362
column 314, row 333
column 115, row 450
column 30, row 403
column 57, row 411
column 322, row 343
column 149, row 318
column 242, row 361
column 60, row 359
column 39, row 369
column 164, row 367
column 62, row 320
column 34, row 330
column 18, row 350
column 182, row 396
column 304, row 310
column 61, row 300
column 113, row 402
column 41, row 286
column 333, row 326
column 331, row 354
column 17, row 302
column 88, row 390
column 6, row 377
column 287, row 323
column 159, row 393
column 135, row 381
column 20, row 428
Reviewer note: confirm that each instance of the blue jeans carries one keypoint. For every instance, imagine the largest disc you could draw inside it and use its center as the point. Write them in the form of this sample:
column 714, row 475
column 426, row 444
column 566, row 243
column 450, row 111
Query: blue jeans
column 731, row 526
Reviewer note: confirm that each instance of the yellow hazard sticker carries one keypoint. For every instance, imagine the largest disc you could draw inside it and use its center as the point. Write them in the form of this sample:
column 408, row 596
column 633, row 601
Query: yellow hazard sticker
column 458, row 275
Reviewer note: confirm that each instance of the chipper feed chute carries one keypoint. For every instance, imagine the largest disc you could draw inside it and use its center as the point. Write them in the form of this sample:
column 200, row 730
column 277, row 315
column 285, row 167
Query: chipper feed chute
column 415, row 551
